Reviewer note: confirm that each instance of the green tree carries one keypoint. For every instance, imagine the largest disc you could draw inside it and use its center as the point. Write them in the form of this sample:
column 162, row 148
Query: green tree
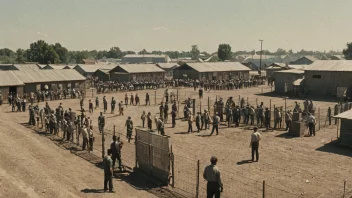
column 224, row 52
column 20, row 55
column 114, row 52
column 42, row 53
column 348, row 51
column 62, row 52
column 144, row 51
column 7, row 52
column 195, row 52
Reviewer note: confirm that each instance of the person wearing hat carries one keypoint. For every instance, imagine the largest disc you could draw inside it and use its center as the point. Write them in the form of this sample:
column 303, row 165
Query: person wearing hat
column 129, row 125
column 255, row 138
column 212, row 175
column 216, row 122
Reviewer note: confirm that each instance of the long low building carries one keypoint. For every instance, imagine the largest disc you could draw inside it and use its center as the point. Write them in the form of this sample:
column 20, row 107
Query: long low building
column 88, row 70
column 328, row 77
column 212, row 71
column 133, row 72
column 21, row 82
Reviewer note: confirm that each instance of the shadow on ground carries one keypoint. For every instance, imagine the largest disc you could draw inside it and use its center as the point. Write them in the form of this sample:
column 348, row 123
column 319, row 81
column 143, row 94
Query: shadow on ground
column 334, row 147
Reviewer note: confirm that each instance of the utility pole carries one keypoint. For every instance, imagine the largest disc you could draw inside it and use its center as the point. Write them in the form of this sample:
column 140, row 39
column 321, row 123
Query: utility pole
column 260, row 61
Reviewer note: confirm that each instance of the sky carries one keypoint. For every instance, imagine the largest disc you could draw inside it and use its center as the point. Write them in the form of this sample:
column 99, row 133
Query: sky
column 177, row 24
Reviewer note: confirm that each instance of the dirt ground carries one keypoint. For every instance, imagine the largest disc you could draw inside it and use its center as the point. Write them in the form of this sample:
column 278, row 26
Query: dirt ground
column 308, row 166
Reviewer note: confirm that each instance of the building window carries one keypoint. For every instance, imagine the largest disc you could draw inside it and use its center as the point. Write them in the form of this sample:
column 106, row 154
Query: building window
column 316, row 76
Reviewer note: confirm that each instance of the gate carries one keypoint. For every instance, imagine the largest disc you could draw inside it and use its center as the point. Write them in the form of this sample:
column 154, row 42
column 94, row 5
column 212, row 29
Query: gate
column 153, row 155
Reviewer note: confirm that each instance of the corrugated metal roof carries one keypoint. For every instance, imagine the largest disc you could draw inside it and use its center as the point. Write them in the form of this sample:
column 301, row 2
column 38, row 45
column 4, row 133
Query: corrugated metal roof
column 299, row 67
column 48, row 76
column 291, row 71
column 8, row 78
column 167, row 65
column 345, row 115
column 27, row 67
column 330, row 65
column 218, row 66
column 94, row 68
column 145, row 56
column 103, row 70
column 140, row 68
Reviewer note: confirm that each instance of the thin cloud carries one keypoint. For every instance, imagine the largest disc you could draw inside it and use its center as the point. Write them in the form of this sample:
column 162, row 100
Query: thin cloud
column 41, row 34
column 160, row 28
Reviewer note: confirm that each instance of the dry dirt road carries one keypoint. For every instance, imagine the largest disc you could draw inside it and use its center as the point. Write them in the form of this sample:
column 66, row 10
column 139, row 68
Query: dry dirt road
column 33, row 166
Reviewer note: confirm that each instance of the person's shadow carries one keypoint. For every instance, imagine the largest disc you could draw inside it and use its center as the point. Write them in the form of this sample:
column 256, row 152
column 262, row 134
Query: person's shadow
column 244, row 162
column 92, row 190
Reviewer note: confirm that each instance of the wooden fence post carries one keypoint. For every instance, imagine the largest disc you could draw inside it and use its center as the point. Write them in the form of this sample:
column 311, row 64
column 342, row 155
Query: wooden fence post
column 177, row 93
column 154, row 97
column 344, row 188
column 197, row 189
column 263, row 188
column 178, row 109
column 256, row 101
column 194, row 107
column 208, row 103
column 136, row 143
column 200, row 106
column 239, row 100
column 173, row 167
column 114, row 130
column 319, row 117
column 102, row 144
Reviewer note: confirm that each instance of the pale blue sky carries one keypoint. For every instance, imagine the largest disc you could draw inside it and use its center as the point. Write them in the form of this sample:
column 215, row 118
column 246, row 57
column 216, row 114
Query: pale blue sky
column 177, row 24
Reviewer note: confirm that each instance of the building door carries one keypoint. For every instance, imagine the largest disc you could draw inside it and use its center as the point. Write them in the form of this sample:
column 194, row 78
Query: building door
column 13, row 90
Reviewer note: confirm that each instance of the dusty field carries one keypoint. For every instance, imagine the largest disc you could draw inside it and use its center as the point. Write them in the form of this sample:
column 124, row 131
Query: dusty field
column 291, row 167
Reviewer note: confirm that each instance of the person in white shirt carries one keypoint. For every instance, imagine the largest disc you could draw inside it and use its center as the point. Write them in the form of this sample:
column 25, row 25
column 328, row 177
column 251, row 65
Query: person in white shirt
column 311, row 124
column 255, row 138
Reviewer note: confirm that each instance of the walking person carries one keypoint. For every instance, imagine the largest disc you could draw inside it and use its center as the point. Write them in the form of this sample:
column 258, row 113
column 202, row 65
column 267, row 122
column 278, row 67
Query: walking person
column 115, row 148
column 311, row 124
column 129, row 125
column 212, row 176
column 255, row 138
column 149, row 121
column 108, row 172
column 216, row 122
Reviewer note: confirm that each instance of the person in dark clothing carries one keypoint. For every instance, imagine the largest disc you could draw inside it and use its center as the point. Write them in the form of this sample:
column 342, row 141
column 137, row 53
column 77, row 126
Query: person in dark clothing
column 108, row 173
column 173, row 115
column 198, row 118
column 147, row 100
column 267, row 118
column 115, row 148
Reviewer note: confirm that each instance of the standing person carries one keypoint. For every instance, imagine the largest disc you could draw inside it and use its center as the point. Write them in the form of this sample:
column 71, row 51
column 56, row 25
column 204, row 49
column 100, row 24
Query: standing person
column 160, row 126
column 105, row 102
column 190, row 121
column 143, row 116
column 85, row 137
column 113, row 103
column 161, row 110
column 132, row 99
column 129, row 125
column 137, row 99
column 90, row 106
column 166, row 113
column 212, row 175
column 115, row 148
column 24, row 104
column 91, row 137
column 277, row 117
column 216, row 122
column 311, row 124
column 81, row 102
column 126, row 100
column 206, row 119
column 198, row 118
column 255, row 138
column 101, row 122
column 147, row 99
column 96, row 102
column 173, row 116
column 200, row 92
column 329, row 115
column 252, row 114
column 267, row 118
column 149, row 121
column 108, row 172
column 228, row 115
column 288, row 119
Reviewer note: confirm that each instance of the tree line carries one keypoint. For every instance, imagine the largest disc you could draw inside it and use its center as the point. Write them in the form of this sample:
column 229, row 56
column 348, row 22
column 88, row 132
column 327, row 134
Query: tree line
column 44, row 53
